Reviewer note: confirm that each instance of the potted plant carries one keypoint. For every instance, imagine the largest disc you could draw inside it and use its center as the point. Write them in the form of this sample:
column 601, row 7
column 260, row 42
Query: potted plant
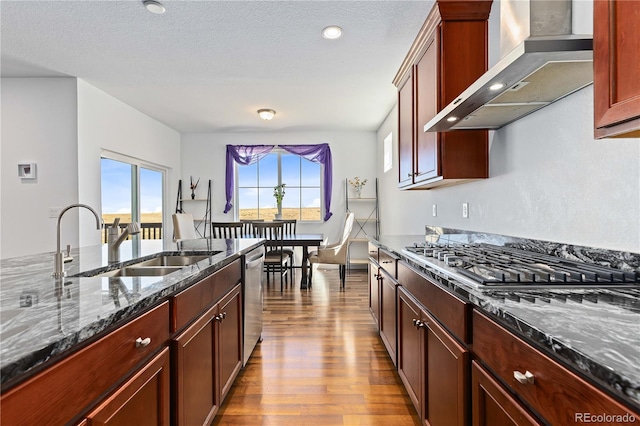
column 193, row 187
column 278, row 194
column 357, row 185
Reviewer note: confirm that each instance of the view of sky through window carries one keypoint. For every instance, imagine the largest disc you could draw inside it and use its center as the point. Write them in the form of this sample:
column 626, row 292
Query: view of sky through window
column 302, row 200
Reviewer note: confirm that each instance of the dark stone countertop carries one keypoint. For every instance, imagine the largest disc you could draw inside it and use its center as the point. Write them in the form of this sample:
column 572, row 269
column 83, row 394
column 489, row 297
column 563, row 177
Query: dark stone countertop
column 595, row 332
column 42, row 318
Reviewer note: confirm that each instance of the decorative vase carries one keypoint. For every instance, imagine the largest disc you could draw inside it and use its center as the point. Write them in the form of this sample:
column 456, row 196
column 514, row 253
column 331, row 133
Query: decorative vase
column 193, row 195
column 278, row 216
column 358, row 192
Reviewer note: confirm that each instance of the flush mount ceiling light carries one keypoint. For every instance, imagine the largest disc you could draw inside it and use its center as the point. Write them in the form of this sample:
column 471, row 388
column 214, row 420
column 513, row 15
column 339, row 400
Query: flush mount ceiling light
column 154, row 6
column 332, row 32
column 266, row 114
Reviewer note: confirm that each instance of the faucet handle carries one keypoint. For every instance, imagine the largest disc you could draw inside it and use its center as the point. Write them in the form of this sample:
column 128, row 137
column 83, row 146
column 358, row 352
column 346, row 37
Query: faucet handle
column 67, row 256
column 116, row 223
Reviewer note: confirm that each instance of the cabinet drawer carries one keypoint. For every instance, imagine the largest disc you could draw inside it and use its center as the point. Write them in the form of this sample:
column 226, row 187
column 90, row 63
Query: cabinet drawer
column 60, row 393
column 373, row 251
column 193, row 301
column 452, row 312
column 389, row 262
column 556, row 394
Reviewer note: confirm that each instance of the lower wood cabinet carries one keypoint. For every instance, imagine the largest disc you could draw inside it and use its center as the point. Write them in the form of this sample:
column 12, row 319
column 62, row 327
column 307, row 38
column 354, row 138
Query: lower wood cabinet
column 433, row 366
column 61, row 393
column 410, row 348
column 492, row 405
column 550, row 390
column 142, row 400
column 388, row 313
column 207, row 358
column 374, row 293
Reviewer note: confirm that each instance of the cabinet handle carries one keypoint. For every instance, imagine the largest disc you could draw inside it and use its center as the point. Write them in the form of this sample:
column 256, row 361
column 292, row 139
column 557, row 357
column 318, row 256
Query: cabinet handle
column 387, row 261
column 378, row 277
column 220, row 317
column 142, row 343
column 525, row 379
column 419, row 324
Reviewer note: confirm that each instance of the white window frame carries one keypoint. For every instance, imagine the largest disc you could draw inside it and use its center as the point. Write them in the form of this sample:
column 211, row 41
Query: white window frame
column 279, row 151
column 135, row 202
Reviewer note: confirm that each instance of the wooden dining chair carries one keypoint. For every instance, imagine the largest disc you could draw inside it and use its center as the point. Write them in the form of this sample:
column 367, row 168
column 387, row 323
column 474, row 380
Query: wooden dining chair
column 276, row 260
column 227, row 230
column 289, row 228
column 248, row 226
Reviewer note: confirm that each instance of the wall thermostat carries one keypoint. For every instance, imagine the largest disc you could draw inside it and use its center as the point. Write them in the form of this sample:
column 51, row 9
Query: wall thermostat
column 27, row 171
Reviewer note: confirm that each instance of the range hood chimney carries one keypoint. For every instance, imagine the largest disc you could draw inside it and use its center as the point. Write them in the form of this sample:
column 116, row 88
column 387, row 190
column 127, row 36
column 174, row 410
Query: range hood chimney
column 541, row 62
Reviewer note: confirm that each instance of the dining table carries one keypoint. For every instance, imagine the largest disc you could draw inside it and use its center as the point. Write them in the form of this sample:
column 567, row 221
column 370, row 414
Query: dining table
column 305, row 241
column 300, row 240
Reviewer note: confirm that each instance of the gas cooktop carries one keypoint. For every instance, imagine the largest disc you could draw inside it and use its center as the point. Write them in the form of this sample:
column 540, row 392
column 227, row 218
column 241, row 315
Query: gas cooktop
column 496, row 266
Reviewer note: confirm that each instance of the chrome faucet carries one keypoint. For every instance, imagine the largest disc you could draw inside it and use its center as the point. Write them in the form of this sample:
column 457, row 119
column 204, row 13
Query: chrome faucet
column 115, row 238
column 58, row 257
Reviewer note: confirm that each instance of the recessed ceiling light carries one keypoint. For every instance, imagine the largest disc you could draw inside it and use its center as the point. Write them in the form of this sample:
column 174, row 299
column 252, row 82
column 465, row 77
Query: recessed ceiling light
column 452, row 119
column 332, row 32
column 154, row 6
column 266, row 114
column 496, row 86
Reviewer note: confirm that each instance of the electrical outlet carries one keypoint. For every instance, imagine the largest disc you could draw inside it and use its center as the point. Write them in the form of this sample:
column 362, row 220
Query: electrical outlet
column 54, row 212
column 435, row 210
column 465, row 210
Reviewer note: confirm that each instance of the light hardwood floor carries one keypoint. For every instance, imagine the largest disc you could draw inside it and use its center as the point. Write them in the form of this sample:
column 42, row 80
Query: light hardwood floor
column 321, row 362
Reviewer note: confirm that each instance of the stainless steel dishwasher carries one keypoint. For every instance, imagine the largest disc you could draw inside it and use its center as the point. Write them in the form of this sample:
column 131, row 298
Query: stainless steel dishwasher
column 252, row 297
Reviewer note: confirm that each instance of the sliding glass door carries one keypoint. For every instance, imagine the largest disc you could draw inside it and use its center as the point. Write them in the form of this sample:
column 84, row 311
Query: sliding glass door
column 132, row 191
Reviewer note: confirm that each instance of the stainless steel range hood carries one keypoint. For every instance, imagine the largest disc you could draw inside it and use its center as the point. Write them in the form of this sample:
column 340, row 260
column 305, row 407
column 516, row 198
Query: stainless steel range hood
column 544, row 62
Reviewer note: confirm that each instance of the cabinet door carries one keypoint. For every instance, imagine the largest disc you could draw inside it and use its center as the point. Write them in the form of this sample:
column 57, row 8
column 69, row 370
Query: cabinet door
column 388, row 313
column 616, row 64
column 374, row 293
column 426, row 156
column 447, row 377
column 229, row 340
column 196, row 400
column 410, row 348
column 492, row 405
column 405, row 132
column 142, row 400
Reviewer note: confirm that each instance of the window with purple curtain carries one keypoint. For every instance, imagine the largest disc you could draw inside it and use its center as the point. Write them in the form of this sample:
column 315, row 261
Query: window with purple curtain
column 251, row 154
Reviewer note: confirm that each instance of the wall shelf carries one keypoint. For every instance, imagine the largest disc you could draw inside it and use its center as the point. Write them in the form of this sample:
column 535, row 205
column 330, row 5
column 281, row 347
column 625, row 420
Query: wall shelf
column 366, row 223
column 203, row 225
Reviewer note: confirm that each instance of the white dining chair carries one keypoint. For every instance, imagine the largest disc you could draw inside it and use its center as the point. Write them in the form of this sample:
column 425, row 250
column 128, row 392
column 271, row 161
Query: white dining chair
column 334, row 253
column 183, row 228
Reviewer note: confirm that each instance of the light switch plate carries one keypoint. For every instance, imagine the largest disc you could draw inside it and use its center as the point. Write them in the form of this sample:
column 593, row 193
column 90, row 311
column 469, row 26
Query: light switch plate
column 465, row 210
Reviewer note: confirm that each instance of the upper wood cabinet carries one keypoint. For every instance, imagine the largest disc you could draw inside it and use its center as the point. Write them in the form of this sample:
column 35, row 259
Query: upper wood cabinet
column 616, row 66
column 449, row 53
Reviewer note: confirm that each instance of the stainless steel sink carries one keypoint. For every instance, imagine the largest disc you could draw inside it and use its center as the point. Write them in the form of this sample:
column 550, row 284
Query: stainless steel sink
column 171, row 260
column 154, row 267
column 141, row 271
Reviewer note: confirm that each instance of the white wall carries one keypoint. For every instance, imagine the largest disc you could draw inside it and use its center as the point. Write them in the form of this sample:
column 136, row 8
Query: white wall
column 38, row 125
column 62, row 124
column 549, row 179
column 105, row 123
column 354, row 154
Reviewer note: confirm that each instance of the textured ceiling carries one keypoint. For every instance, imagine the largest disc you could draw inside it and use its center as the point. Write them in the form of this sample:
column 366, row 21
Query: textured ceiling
column 207, row 66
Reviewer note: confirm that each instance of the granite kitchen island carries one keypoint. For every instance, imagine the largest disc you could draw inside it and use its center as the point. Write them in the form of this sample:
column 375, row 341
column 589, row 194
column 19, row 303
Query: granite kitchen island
column 43, row 319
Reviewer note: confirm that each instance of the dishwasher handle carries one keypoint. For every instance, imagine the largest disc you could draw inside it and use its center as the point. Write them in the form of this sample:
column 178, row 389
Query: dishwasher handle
column 253, row 259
